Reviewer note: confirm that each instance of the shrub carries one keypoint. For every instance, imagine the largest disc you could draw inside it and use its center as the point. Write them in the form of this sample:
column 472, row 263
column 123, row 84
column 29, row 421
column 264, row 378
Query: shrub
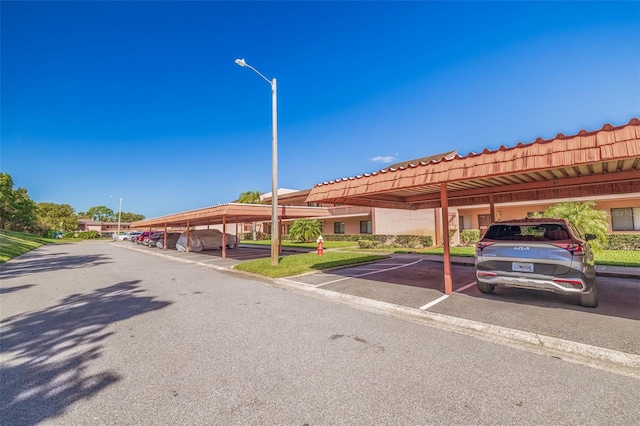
column 259, row 236
column 623, row 242
column 412, row 241
column 305, row 230
column 368, row 244
column 82, row 235
column 469, row 237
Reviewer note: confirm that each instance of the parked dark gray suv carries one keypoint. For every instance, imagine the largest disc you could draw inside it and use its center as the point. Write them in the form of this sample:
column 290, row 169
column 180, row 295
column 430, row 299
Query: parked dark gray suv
column 537, row 253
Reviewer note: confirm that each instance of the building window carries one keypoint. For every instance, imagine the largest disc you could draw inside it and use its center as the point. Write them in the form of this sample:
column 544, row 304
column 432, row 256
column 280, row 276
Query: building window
column 464, row 222
column 625, row 219
column 484, row 220
column 338, row 227
column 366, row 227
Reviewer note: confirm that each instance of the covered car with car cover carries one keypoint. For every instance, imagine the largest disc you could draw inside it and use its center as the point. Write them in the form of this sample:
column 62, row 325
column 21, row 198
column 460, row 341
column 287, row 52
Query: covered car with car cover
column 205, row 239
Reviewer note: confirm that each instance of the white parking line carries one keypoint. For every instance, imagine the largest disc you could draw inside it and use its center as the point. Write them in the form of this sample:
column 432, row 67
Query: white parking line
column 389, row 264
column 434, row 302
column 364, row 269
column 461, row 289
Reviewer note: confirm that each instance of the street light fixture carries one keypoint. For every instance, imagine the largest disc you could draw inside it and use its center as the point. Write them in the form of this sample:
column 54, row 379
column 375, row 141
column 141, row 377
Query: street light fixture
column 275, row 228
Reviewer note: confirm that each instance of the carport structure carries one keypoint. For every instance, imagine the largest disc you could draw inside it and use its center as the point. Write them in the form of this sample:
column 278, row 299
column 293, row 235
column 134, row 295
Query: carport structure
column 601, row 162
column 223, row 214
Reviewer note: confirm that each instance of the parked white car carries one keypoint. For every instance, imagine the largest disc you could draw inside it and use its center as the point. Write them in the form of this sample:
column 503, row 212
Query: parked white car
column 129, row 235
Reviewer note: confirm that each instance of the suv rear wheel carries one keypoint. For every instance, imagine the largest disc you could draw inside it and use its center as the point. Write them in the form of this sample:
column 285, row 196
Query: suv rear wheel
column 589, row 300
column 485, row 288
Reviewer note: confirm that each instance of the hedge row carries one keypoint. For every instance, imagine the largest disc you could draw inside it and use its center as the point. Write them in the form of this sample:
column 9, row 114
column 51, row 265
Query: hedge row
column 82, row 235
column 623, row 242
column 469, row 237
column 398, row 241
column 371, row 240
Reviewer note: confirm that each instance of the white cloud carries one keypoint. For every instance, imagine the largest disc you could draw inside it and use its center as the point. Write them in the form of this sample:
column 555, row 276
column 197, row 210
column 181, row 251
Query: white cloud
column 383, row 159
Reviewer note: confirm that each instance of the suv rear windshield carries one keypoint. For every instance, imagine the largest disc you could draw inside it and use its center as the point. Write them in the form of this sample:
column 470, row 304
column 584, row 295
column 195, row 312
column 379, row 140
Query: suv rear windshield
column 527, row 232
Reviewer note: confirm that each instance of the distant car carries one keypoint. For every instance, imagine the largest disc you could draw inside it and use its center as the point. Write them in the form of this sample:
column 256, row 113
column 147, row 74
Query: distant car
column 155, row 237
column 129, row 235
column 140, row 239
column 117, row 236
column 540, row 254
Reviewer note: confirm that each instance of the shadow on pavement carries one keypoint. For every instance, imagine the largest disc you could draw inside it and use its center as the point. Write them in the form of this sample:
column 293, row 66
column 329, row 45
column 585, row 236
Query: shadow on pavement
column 40, row 261
column 46, row 354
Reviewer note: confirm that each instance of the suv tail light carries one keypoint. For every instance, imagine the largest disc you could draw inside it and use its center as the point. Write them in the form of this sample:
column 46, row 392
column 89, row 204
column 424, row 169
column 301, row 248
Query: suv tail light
column 572, row 282
column 574, row 249
column 480, row 246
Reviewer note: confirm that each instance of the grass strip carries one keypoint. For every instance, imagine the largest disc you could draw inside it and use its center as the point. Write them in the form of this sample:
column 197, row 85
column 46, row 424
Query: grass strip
column 13, row 244
column 302, row 263
column 627, row 258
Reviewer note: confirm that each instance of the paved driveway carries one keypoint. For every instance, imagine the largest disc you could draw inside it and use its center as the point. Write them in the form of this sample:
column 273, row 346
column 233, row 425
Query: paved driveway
column 416, row 282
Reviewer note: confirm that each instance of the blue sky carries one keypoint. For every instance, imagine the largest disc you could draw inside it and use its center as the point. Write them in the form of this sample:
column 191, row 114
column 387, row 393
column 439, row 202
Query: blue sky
column 143, row 100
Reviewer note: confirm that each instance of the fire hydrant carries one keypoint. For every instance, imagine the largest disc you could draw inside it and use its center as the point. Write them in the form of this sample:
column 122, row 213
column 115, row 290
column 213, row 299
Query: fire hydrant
column 320, row 248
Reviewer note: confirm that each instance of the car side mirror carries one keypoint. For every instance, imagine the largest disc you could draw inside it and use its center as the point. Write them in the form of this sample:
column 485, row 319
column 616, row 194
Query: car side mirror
column 589, row 237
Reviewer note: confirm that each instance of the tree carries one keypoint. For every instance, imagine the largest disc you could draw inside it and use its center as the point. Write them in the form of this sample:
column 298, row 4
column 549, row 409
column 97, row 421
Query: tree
column 60, row 217
column 101, row 214
column 251, row 197
column 305, row 230
column 585, row 217
column 17, row 210
column 130, row 217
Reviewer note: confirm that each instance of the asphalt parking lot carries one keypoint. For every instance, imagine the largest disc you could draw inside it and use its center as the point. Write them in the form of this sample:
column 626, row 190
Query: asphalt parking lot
column 416, row 282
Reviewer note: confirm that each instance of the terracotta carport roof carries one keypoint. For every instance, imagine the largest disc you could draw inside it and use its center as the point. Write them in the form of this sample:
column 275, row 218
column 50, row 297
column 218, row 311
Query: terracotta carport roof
column 230, row 213
column 605, row 161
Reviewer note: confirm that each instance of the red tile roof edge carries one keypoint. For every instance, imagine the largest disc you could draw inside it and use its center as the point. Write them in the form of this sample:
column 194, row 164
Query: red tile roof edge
column 606, row 127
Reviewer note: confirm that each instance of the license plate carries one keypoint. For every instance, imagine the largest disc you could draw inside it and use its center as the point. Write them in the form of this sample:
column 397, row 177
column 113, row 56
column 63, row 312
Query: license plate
column 522, row 267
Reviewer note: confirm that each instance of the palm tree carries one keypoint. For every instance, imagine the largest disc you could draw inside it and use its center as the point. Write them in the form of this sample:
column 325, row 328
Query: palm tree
column 251, row 197
column 585, row 217
column 305, row 230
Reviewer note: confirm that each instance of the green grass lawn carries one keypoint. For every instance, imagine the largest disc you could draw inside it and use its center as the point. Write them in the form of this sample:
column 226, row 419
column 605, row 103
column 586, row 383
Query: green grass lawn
column 13, row 244
column 308, row 262
column 618, row 258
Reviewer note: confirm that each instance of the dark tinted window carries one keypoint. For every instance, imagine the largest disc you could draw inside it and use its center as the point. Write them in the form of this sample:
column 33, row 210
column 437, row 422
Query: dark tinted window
column 542, row 231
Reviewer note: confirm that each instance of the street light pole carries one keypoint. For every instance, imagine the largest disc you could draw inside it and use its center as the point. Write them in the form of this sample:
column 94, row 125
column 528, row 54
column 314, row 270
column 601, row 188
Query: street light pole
column 119, row 217
column 275, row 227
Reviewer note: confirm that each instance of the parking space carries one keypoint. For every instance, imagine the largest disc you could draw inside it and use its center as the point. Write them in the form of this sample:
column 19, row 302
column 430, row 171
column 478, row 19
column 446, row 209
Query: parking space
column 404, row 280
